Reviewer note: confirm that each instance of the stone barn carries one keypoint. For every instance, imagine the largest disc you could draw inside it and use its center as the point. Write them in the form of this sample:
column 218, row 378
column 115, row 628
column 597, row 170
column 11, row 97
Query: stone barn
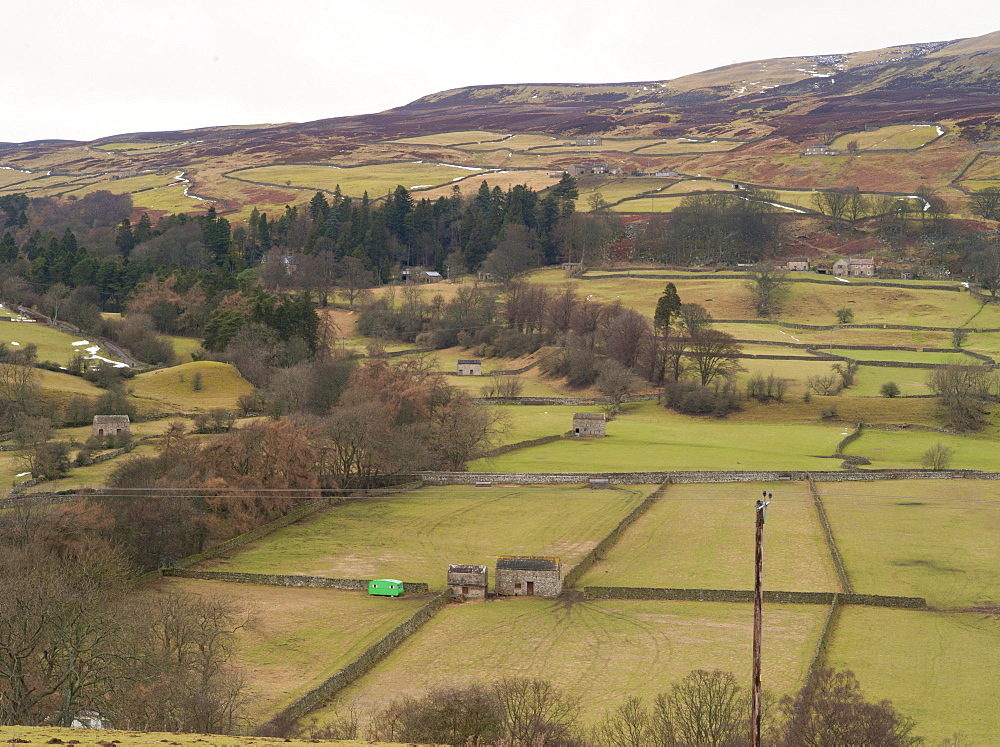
column 111, row 425
column 589, row 424
column 470, row 368
column 469, row 581
column 520, row 576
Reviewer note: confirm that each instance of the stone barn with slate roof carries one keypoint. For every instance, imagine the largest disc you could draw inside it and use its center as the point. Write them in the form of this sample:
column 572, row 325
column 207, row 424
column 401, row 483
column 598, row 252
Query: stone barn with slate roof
column 589, row 424
column 469, row 581
column 470, row 367
column 111, row 425
column 528, row 576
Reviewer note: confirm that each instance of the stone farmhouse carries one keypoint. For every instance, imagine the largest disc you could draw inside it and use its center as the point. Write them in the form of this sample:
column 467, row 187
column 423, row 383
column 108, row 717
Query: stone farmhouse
column 589, row 424
column 797, row 264
column 528, row 576
column 470, row 581
column 111, row 425
column 470, row 367
column 855, row 267
column 819, row 150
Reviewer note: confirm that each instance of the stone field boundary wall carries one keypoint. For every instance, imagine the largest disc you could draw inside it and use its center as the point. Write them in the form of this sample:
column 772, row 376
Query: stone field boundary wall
column 693, row 476
column 743, row 276
column 348, row 674
column 838, row 561
column 746, row 596
column 316, row 582
column 520, row 445
column 599, row 550
column 828, row 327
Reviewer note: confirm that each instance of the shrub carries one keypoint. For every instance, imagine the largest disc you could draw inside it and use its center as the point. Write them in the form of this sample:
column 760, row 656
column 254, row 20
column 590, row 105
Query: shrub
column 766, row 388
column 889, row 389
column 826, row 384
column 691, row 398
column 828, row 413
column 937, row 458
column 845, row 315
column 502, row 386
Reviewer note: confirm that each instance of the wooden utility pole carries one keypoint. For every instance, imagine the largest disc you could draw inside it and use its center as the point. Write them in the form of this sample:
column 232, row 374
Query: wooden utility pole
column 758, row 620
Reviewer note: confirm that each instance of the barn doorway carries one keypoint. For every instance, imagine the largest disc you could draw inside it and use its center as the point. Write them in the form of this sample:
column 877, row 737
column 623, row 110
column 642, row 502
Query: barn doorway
column 531, row 588
column 465, row 591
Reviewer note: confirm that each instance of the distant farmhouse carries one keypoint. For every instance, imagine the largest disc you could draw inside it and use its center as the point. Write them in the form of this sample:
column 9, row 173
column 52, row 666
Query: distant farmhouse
column 470, row 581
column 470, row 367
column 820, row 150
column 111, row 425
column 856, row 267
column 797, row 264
column 528, row 576
column 420, row 275
column 588, row 141
column 589, row 424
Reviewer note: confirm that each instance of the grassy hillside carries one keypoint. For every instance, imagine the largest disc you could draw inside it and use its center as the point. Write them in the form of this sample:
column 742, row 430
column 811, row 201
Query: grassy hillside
column 174, row 389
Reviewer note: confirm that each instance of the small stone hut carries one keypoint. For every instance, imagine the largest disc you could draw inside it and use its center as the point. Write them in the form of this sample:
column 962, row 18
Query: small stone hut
column 519, row 576
column 111, row 425
column 470, row 367
column 589, row 424
column 469, row 581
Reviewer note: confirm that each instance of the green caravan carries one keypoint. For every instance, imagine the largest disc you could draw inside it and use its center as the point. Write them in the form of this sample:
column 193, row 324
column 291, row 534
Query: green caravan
column 385, row 587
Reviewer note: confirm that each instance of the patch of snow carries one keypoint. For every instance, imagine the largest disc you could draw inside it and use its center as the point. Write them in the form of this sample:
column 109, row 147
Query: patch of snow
column 965, row 285
column 456, row 166
column 93, row 349
column 80, row 342
column 64, row 368
column 16, row 343
column 940, row 130
column 116, row 364
column 843, row 280
column 22, row 474
column 421, row 186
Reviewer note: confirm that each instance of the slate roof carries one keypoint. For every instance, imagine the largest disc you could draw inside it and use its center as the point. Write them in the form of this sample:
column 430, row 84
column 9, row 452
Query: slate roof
column 588, row 416
column 466, row 569
column 523, row 563
column 469, row 361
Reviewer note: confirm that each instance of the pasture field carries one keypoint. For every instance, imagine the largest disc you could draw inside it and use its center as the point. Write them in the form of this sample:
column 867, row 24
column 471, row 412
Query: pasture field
column 11, row 176
column 869, row 381
column 93, row 475
column 184, row 346
column 601, row 651
column 413, row 537
column 453, row 138
column 377, row 180
column 128, row 185
column 936, row 667
column 525, row 422
column 37, row 185
column 684, row 146
column 702, row 536
column 904, row 356
column 904, row 449
column 985, row 168
column 537, row 179
column 533, row 383
column 171, row 199
column 658, row 203
column 614, row 190
column 172, row 389
column 647, row 437
column 53, row 344
column 515, row 142
column 895, row 137
column 446, row 360
column 297, row 638
column 927, row 538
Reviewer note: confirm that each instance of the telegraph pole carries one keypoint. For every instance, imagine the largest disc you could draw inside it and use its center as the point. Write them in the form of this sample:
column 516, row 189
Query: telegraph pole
column 758, row 619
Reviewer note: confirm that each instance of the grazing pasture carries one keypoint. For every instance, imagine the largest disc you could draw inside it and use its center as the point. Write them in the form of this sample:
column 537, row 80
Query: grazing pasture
column 649, row 438
column 173, row 389
column 936, row 667
column 414, row 536
column 895, row 137
column 375, row 179
column 53, row 344
column 904, row 449
column 296, row 638
column 702, row 536
column 928, row 538
column 600, row 651
column 461, row 137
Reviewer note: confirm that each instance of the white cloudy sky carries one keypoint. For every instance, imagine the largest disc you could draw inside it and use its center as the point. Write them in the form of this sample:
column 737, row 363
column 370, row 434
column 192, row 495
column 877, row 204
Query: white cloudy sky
column 82, row 70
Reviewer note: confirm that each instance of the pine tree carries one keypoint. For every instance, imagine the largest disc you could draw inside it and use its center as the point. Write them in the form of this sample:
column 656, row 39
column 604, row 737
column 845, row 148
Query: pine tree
column 668, row 305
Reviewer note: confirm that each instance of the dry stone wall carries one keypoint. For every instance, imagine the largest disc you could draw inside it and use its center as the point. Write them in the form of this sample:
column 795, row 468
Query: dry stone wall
column 316, row 582
column 746, row 595
column 694, row 476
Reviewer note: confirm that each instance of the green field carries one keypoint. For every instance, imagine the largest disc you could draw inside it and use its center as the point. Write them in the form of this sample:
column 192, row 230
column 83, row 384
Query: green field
column 903, row 356
column 928, row 538
column 515, row 142
column 171, row 199
column 718, row 520
column 600, row 651
column 297, row 638
column 104, row 737
column 129, row 185
column 613, row 190
column 453, row 138
column 184, row 346
column 648, row 437
column 895, row 137
column 53, row 345
column 684, row 146
column 904, row 449
column 649, row 204
column 935, row 667
column 869, row 381
column 376, row 180
column 172, row 389
column 413, row 537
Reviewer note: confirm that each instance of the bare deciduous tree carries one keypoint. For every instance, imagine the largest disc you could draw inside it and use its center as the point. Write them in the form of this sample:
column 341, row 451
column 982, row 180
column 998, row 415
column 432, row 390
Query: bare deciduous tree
column 964, row 393
column 768, row 286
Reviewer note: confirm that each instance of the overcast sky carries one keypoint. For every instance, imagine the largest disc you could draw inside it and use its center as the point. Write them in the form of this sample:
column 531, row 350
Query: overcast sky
column 82, row 70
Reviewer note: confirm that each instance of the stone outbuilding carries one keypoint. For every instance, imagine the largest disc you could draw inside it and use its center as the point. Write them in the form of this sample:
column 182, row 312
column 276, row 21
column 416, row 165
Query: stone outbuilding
column 519, row 576
column 471, row 367
column 470, row 581
column 111, row 425
column 589, row 424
